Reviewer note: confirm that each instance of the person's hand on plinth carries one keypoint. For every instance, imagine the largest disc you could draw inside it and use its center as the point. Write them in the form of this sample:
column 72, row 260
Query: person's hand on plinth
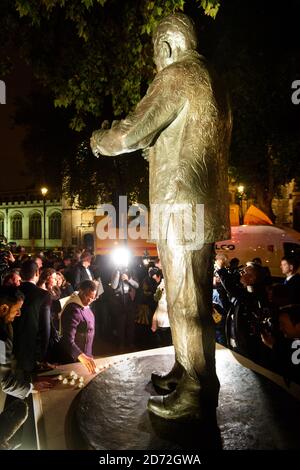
column 88, row 362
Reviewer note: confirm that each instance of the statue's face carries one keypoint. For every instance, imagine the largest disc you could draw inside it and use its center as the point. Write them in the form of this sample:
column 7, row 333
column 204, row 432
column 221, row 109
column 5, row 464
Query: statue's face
column 161, row 54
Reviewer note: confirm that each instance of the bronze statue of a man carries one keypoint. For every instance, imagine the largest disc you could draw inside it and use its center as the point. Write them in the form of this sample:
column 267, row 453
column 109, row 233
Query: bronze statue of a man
column 184, row 121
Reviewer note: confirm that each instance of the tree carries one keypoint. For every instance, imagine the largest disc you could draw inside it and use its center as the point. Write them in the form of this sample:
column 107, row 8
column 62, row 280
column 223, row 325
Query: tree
column 49, row 139
column 89, row 180
column 93, row 58
column 85, row 51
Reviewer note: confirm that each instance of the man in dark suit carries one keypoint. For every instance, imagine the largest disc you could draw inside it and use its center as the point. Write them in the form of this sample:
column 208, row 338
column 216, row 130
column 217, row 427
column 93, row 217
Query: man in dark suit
column 82, row 270
column 15, row 414
column 33, row 328
column 11, row 301
column 289, row 267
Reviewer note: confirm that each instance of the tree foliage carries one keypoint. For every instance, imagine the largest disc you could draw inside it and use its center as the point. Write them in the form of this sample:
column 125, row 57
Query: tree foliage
column 89, row 180
column 94, row 59
column 48, row 139
column 91, row 52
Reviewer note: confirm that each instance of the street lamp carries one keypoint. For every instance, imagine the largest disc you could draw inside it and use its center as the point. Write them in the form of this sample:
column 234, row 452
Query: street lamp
column 240, row 190
column 44, row 192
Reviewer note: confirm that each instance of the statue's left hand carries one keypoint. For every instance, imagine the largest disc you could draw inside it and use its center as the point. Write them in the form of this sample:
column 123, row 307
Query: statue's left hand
column 95, row 141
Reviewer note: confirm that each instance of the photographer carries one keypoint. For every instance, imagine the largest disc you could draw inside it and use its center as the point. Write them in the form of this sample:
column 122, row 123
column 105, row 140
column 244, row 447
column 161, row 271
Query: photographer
column 226, row 285
column 220, row 281
column 146, row 306
column 285, row 342
column 244, row 317
column 124, row 287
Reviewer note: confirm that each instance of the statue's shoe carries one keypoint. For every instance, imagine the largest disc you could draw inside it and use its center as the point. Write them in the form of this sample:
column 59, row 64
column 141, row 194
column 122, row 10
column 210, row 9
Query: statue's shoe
column 168, row 382
column 182, row 403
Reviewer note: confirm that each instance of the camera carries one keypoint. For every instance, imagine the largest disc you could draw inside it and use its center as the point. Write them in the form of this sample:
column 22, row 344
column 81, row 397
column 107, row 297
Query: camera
column 267, row 325
column 154, row 271
column 262, row 322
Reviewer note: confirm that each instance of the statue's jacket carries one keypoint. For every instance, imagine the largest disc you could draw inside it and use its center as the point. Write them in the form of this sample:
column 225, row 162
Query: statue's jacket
column 184, row 121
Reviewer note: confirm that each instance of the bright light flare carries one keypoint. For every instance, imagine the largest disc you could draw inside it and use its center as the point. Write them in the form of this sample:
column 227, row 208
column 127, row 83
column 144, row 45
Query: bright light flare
column 121, row 257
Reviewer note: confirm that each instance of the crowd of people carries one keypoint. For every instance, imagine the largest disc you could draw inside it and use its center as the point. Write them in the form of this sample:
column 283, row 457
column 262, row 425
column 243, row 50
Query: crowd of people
column 71, row 296
column 57, row 309
column 256, row 317
column 72, row 300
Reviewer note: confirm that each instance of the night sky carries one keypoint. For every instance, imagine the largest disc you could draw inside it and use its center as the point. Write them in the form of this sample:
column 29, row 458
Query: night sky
column 13, row 174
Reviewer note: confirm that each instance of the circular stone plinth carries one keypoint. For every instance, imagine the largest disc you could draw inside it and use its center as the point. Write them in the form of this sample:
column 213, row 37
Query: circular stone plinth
column 111, row 412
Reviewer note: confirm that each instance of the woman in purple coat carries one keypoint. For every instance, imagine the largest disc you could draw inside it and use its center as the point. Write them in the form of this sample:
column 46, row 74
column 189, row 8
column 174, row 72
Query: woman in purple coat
column 78, row 327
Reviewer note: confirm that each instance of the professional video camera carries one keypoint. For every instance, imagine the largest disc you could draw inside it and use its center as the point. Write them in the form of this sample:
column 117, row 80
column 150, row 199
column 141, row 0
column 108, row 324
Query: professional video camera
column 268, row 325
column 244, row 325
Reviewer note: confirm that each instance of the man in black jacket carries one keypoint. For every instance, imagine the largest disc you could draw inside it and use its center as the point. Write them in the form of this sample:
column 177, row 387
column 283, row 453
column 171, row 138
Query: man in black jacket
column 82, row 270
column 11, row 302
column 33, row 329
column 289, row 267
column 124, row 286
column 285, row 343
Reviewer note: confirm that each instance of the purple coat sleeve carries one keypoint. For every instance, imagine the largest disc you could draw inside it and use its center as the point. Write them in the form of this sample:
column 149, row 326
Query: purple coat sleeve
column 71, row 318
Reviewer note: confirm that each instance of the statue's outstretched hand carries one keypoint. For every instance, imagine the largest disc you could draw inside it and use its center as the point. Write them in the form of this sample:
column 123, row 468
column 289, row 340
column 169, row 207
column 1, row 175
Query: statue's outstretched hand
column 95, row 141
column 97, row 136
column 105, row 124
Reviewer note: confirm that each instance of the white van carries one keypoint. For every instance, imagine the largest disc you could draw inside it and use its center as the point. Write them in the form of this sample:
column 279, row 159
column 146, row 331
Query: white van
column 268, row 242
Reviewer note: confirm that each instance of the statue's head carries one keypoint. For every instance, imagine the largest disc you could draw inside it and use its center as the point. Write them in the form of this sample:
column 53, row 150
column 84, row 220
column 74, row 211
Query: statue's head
column 173, row 36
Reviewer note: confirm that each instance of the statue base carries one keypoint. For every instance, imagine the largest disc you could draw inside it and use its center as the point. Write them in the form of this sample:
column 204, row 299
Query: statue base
column 111, row 412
